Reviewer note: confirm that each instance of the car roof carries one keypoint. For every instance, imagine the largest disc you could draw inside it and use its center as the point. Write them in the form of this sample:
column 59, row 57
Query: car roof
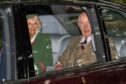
column 73, row 2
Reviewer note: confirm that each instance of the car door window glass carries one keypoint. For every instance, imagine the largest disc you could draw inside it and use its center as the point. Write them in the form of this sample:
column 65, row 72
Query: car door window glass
column 74, row 54
column 79, row 50
column 115, row 26
column 61, row 27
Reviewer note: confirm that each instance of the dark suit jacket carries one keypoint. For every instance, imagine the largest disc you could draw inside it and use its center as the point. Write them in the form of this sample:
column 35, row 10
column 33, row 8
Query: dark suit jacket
column 75, row 56
column 42, row 51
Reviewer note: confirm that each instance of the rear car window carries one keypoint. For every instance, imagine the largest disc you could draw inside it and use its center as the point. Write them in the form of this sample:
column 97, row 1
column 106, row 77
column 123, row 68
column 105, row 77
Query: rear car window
column 56, row 37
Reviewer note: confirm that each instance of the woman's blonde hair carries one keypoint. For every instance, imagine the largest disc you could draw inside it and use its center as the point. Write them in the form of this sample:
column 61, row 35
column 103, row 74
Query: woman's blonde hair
column 35, row 17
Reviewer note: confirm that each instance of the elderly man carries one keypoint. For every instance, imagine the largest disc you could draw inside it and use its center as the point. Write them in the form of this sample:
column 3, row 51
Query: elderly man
column 79, row 50
column 41, row 44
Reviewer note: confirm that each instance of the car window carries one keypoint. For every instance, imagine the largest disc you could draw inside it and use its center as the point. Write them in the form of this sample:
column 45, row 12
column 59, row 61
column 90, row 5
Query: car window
column 58, row 43
column 115, row 23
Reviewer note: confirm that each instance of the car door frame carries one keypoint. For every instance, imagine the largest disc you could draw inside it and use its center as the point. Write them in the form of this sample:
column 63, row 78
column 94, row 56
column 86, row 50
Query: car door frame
column 120, row 64
column 24, row 57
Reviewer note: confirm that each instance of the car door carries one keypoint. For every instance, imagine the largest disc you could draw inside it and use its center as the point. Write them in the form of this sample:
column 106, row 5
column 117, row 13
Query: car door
column 61, row 20
column 113, row 19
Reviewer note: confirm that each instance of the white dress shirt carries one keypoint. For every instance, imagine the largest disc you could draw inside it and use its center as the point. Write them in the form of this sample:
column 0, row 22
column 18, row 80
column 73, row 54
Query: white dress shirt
column 88, row 40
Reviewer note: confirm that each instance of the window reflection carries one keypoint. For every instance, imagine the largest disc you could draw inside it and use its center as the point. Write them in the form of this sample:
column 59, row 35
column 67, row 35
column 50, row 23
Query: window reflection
column 115, row 24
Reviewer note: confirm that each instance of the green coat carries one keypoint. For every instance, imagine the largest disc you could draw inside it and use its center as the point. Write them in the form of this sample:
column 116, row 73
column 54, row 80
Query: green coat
column 42, row 51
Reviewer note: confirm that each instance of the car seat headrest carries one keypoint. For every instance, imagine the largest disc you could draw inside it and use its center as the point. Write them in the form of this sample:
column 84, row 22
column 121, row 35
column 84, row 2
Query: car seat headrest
column 51, row 25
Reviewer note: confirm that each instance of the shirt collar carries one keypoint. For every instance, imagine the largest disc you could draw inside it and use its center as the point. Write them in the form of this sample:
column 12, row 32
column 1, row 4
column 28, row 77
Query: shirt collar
column 83, row 39
column 33, row 39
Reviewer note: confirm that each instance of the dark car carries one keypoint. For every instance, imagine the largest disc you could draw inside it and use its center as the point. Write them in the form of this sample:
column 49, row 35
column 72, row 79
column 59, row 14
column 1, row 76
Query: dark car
column 60, row 22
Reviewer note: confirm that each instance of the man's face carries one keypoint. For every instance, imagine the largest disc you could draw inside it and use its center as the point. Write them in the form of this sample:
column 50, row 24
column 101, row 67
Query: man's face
column 33, row 26
column 84, row 25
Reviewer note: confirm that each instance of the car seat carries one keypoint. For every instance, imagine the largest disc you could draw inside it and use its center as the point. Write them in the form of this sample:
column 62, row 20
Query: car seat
column 59, row 36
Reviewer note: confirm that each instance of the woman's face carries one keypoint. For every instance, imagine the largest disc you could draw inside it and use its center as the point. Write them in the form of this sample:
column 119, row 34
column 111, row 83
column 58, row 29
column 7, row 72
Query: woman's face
column 33, row 25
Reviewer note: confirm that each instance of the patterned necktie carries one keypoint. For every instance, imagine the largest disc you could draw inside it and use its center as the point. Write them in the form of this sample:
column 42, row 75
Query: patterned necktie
column 83, row 43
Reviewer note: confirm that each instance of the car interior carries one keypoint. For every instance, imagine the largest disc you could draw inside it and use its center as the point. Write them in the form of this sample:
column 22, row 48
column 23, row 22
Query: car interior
column 59, row 36
column 61, row 28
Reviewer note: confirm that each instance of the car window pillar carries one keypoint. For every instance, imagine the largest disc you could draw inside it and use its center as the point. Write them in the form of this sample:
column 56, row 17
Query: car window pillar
column 24, row 57
column 97, row 35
